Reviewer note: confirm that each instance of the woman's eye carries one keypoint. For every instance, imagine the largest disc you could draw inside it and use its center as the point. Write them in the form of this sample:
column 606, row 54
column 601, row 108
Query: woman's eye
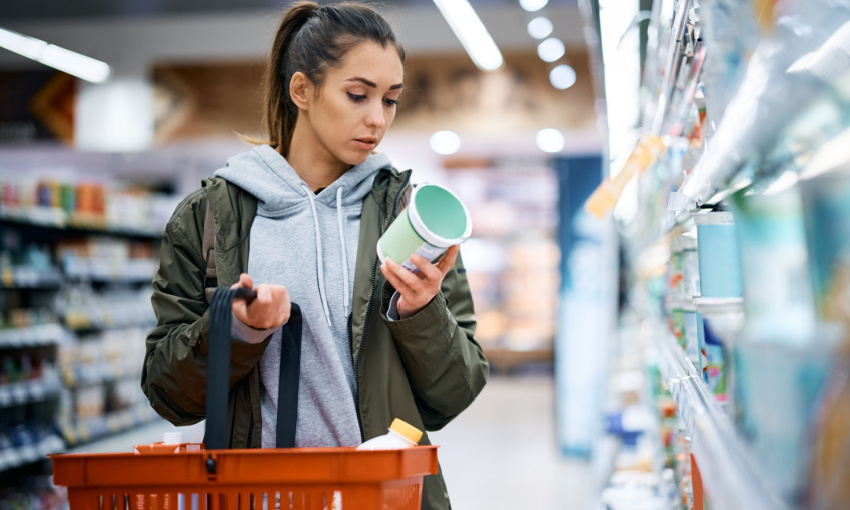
column 356, row 98
column 391, row 102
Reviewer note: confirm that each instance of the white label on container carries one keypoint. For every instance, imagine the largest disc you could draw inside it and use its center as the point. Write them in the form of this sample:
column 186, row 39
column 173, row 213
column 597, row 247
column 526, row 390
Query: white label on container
column 426, row 251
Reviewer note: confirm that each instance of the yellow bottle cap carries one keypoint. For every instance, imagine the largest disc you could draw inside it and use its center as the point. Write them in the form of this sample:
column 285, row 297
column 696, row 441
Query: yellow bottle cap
column 407, row 430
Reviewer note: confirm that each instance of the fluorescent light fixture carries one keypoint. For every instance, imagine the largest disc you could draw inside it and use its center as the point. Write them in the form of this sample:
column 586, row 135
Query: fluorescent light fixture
column 540, row 27
column 550, row 140
column 533, row 5
column 68, row 61
column 445, row 142
column 474, row 37
column 562, row 77
column 551, row 49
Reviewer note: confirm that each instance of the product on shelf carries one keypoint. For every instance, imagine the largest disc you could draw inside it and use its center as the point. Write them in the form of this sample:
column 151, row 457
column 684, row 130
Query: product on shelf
column 772, row 242
column 719, row 259
column 107, row 259
column 91, row 205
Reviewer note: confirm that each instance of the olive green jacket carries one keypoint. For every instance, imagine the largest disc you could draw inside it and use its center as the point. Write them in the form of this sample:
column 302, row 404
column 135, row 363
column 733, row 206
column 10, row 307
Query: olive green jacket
column 425, row 369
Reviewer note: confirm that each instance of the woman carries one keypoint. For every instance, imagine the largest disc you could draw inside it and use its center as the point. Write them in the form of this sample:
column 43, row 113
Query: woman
column 301, row 215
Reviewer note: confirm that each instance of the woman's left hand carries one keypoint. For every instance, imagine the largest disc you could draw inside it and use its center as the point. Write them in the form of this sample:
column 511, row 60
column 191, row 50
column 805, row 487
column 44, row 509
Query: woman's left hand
column 418, row 289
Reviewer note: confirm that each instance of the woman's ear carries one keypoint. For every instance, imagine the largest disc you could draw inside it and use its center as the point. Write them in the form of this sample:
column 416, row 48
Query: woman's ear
column 299, row 90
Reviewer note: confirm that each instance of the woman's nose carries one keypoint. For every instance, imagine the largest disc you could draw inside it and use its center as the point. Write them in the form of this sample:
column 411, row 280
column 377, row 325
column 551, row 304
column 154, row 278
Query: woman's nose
column 375, row 115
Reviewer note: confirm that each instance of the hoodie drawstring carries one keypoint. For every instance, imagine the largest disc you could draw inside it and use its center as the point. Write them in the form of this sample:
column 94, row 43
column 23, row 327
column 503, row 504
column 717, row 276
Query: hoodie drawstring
column 320, row 262
column 342, row 250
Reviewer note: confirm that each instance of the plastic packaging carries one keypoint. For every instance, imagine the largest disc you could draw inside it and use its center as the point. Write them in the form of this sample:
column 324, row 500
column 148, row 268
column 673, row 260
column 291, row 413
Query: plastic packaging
column 434, row 220
column 400, row 435
column 778, row 296
column 719, row 261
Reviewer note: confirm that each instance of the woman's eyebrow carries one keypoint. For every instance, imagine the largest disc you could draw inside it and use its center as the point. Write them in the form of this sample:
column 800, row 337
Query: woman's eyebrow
column 372, row 84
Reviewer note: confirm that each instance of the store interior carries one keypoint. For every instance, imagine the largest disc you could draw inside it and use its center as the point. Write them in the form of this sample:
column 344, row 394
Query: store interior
column 660, row 258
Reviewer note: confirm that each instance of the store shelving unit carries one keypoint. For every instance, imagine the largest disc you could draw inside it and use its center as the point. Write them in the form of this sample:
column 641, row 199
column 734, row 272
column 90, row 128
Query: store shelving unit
column 43, row 409
column 727, row 469
column 735, row 98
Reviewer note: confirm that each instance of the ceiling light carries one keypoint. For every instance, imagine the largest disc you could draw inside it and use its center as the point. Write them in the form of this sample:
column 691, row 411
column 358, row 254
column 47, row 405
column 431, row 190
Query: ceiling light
column 562, row 77
column 445, row 142
column 472, row 33
column 533, row 5
column 68, row 61
column 550, row 140
column 551, row 49
column 540, row 27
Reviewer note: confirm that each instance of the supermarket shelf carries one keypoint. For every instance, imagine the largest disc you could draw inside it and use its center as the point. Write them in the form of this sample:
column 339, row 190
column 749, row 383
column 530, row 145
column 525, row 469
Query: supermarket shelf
column 16, row 457
column 104, row 373
column 50, row 218
column 28, row 392
column 101, row 270
column 30, row 278
column 34, row 336
column 86, row 322
column 730, row 475
column 94, row 429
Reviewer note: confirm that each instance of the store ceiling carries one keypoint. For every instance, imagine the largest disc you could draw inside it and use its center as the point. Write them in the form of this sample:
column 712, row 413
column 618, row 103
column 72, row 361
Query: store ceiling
column 57, row 9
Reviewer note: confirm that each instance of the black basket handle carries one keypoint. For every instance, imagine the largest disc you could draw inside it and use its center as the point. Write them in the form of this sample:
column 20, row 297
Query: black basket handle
column 218, row 370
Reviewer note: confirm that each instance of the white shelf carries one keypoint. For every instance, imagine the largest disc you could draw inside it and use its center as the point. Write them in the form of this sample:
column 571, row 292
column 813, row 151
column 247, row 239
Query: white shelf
column 34, row 336
column 22, row 277
column 730, row 476
column 27, row 392
column 20, row 456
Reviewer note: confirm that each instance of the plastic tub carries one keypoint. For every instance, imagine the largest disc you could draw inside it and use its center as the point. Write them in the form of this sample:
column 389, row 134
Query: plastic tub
column 719, row 259
column 435, row 220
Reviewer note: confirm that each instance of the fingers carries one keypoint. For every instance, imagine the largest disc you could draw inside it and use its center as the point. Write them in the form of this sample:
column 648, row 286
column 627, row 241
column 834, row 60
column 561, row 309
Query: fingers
column 402, row 279
column 244, row 281
column 448, row 261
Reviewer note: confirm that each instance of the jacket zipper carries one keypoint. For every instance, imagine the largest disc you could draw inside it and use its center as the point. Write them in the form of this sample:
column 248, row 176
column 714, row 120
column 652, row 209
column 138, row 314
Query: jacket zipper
column 368, row 310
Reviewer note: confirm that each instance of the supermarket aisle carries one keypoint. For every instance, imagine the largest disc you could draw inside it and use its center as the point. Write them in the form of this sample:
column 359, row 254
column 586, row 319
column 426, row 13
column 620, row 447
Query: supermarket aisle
column 501, row 453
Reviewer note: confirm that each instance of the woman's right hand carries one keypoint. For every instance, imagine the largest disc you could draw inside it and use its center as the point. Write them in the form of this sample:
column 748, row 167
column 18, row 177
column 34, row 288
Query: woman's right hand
column 269, row 310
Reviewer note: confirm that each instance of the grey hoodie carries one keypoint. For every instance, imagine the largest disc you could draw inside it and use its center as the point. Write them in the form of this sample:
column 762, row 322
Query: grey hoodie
column 308, row 243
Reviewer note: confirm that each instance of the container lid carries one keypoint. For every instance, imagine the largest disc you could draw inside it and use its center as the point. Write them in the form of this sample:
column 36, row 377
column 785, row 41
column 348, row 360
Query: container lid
column 407, row 430
column 707, row 306
column 449, row 234
column 172, row 437
column 714, row 218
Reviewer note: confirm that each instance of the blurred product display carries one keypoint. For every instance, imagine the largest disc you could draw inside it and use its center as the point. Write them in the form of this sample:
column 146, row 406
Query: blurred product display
column 513, row 258
column 75, row 272
column 736, row 255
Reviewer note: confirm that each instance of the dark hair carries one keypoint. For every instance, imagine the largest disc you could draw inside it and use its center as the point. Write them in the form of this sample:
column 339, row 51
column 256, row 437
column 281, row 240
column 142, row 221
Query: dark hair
column 311, row 39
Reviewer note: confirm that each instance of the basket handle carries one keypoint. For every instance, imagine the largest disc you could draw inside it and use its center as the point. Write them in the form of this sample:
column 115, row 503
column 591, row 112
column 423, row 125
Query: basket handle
column 218, row 366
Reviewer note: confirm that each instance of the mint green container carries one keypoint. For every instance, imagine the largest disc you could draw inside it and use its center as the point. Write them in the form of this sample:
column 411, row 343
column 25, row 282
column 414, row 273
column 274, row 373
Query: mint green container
column 434, row 220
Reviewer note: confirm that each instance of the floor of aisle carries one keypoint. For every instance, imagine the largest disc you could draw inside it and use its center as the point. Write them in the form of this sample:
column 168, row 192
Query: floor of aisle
column 501, row 453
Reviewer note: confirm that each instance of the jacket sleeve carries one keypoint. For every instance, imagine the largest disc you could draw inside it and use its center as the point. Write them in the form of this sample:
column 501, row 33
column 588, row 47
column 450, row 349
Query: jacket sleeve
column 444, row 363
column 175, row 366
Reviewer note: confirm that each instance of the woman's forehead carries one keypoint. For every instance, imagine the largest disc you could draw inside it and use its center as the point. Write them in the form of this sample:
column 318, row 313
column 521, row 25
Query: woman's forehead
column 370, row 62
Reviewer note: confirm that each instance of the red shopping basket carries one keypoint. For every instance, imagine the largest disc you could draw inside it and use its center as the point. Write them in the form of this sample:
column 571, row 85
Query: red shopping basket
column 189, row 477
column 300, row 478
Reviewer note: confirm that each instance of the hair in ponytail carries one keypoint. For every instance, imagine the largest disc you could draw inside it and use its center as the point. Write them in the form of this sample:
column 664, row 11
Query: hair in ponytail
column 311, row 39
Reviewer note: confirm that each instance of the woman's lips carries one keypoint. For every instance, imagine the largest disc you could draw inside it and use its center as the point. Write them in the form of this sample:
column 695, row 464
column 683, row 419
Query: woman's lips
column 365, row 143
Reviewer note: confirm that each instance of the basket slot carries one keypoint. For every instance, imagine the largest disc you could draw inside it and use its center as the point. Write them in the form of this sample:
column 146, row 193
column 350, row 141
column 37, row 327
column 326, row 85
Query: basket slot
column 403, row 497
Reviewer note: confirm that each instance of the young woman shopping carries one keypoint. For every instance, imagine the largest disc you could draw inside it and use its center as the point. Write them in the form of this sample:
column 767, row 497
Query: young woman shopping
column 301, row 214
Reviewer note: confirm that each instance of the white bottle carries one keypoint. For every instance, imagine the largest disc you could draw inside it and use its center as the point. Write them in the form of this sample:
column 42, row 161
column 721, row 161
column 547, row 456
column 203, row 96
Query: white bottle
column 400, row 435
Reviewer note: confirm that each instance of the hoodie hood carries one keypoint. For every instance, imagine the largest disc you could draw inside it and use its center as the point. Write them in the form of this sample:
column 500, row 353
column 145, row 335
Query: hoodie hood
column 264, row 173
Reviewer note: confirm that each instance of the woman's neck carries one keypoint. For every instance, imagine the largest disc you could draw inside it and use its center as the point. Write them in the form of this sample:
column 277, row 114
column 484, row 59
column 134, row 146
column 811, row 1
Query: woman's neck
column 312, row 161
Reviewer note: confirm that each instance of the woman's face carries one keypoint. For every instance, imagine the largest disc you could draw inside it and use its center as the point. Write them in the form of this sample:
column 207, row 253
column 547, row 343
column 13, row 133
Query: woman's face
column 353, row 109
